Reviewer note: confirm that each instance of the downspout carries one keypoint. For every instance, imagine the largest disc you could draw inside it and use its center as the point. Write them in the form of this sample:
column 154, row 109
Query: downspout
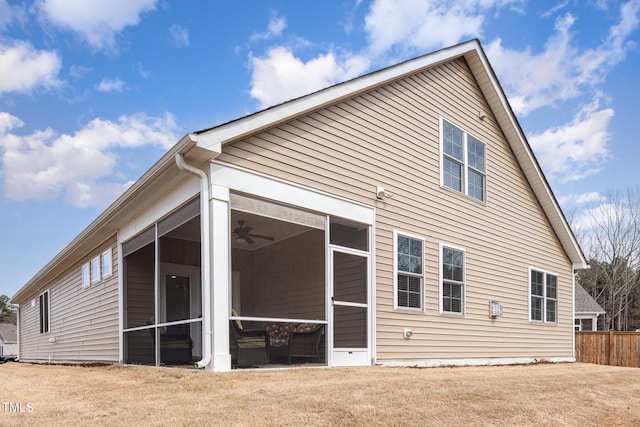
column 18, row 330
column 206, row 248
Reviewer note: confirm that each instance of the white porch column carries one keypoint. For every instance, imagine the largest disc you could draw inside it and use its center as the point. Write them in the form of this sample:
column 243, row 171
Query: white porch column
column 220, row 278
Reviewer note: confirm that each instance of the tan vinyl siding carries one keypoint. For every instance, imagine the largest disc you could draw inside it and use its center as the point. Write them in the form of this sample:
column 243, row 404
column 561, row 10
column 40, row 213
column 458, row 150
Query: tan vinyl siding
column 84, row 321
column 390, row 136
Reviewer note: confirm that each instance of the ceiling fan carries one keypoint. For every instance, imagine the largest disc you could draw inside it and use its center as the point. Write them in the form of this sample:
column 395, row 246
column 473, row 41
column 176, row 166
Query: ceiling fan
column 243, row 233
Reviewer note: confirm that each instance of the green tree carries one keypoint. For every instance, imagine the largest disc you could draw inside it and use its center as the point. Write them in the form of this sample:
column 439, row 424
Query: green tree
column 8, row 313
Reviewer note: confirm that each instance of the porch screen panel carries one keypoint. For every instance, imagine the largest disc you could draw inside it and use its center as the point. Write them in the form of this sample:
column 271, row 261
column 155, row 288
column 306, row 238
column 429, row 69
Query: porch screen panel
column 350, row 278
column 139, row 299
column 285, row 279
column 349, row 234
column 350, row 327
column 139, row 347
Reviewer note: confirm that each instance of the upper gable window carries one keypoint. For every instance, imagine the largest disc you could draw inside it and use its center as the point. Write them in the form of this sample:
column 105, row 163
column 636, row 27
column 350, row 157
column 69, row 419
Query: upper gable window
column 463, row 162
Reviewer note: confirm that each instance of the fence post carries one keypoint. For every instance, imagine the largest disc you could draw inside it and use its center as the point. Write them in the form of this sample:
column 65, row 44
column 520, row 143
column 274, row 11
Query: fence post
column 612, row 350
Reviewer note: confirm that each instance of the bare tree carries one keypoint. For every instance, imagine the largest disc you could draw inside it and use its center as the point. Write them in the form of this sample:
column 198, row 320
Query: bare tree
column 610, row 235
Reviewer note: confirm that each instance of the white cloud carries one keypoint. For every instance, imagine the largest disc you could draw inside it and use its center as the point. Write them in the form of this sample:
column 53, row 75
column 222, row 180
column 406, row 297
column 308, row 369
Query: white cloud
column 8, row 122
column 79, row 71
column 554, row 9
column 591, row 197
column 282, row 76
column 142, row 71
column 420, row 25
column 9, row 13
column 111, row 85
column 45, row 165
column 588, row 217
column 403, row 25
column 23, row 68
column 96, row 21
column 581, row 199
column 561, row 71
column 179, row 35
column 576, row 149
column 276, row 26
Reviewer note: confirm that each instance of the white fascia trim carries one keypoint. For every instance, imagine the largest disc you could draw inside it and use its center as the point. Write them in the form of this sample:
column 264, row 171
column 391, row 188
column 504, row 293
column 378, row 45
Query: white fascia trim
column 588, row 314
column 492, row 361
column 214, row 138
column 271, row 188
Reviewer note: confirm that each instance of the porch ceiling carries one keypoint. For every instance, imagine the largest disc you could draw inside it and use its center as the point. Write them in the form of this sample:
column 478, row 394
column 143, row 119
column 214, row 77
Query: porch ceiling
column 264, row 226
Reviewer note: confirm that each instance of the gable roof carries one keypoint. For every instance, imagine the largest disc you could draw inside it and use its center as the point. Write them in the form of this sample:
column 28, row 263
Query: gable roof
column 8, row 333
column 584, row 303
column 201, row 146
column 472, row 52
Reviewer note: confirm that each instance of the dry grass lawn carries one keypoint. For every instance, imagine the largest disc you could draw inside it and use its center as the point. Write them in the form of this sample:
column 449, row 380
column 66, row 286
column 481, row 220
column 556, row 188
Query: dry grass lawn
column 553, row 395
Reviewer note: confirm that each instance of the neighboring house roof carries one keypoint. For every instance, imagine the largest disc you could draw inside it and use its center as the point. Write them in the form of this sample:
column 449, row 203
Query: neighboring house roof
column 202, row 146
column 584, row 303
column 8, row 333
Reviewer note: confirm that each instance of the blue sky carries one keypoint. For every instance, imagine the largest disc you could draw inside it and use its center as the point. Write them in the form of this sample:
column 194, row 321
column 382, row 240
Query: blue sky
column 92, row 93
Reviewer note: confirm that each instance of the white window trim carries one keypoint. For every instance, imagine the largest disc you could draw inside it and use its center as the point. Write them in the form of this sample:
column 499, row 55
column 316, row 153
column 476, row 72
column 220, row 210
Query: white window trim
column 422, row 308
column 95, row 273
column 464, row 281
column 107, row 255
column 465, row 162
column 48, row 292
column 86, row 275
column 544, row 298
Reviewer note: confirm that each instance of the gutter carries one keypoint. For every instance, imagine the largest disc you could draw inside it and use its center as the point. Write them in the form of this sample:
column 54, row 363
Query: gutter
column 206, row 256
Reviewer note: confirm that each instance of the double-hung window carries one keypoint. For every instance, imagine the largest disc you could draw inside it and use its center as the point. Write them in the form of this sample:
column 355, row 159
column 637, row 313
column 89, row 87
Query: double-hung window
column 85, row 275
column 463, row 162
column 452, row 280
column 409, row 269
column 95, row 270
column 543, row 288
column 106, row 263
column 44, row 312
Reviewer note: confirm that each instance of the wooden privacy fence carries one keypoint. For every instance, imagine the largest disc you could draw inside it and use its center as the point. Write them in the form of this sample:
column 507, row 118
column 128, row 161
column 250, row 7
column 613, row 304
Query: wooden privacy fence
column 608, row 348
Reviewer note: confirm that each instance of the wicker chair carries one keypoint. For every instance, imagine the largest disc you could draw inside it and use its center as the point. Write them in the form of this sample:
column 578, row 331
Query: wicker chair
column 295, row 341
column 249, row 347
